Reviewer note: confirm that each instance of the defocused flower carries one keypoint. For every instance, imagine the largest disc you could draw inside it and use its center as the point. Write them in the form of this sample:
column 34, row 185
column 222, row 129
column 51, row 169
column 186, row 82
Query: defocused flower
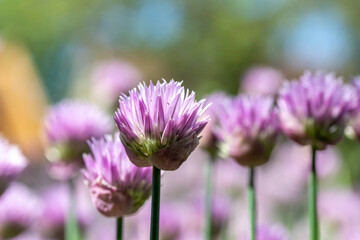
column 248, row 129
column 117, row 186
column 55, row 205
column 315, row 110
column 159, row 125
column 68, row 125
column 19, row 208
column 274, row 232
column 111, row 78
column 354, row 125
column 12, row 163
column 340, row 206
column 262, row 81
column 208, row 140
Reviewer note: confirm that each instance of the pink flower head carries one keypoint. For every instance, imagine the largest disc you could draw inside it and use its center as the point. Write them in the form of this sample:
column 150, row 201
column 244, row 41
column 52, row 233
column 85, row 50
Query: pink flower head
column 248, row 129
column 117, row 186
column 69, row 124
column 12, row 163
column 355, row 119
column 314, row 110
column 262, row 81
column 160, row 124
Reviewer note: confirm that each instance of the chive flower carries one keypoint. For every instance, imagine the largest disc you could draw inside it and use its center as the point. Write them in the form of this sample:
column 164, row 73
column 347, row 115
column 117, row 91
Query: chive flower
column 248, row 128
column 117, row 186
column 315, row 110
column 160, row 124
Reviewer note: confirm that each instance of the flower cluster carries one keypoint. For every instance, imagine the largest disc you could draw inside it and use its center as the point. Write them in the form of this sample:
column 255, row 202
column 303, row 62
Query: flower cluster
column 12, row 163
column 117, row 186
column 354, row 125
column 160, row 124
column 248, row 129
column 314, row 111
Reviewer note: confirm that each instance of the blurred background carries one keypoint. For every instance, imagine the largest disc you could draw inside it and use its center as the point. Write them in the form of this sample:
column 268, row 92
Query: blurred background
column 51, row 50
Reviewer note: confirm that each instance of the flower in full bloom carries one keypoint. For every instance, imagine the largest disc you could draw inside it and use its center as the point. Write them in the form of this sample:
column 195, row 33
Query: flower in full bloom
column 262, row 81
column 209, row 139
column 12, row 163
column 68, row 126
column 19, row 208
column 315, row 110
column 117, row 186
column 248, row 128
column 160, row 124
column 112, row 77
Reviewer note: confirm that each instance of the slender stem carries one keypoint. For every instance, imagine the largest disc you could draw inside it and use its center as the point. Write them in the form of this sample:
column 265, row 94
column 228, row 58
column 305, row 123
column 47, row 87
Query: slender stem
column 314, row 229
column 208, row 199
column 155, row 204
column 252, row 203
column 71, row 225
column 119, row 228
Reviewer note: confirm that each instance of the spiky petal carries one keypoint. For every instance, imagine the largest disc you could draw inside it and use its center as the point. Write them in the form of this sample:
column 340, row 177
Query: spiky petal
column 160, row 124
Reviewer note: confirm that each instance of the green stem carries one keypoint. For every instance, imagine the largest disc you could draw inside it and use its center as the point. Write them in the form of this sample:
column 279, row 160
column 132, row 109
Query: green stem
column 208, row 199
column 314, row 229
column 155, row 204
column 71, row 226
column 252, row 203
column 119, row 228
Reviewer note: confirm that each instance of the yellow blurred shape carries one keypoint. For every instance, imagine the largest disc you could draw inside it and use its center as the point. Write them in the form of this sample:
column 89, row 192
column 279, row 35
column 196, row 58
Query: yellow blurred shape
column 22, row 100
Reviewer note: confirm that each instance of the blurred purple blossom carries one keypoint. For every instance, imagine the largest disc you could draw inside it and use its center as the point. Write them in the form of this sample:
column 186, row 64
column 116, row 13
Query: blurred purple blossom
column 274, row 232
column 160, row 124
column 314, row 110
column 248, row 128
column 262, row 81
column 19, row 208
column 54, row 208
column 117, row 186
column 112, row 77
column 354, row 126
column 12, row 163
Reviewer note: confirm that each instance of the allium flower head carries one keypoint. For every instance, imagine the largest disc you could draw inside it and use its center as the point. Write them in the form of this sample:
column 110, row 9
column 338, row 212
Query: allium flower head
column 248, row 129
column 19, row 208
column 12, row 163
column 160, row 124
column 117, row 186
column 314, row 110
column 68, row 126
column 262, row 81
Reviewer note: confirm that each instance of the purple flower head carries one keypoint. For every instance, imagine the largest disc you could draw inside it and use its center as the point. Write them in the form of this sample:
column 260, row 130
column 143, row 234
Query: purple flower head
column 248, row 129
column 315, row 109
column 262, row 81
column 354, row 124
column 12, row 163
column 113, row 77
column 117, row 186
column 209, row 139
column 160, row 124
column 19, row 208
column 69, row 124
